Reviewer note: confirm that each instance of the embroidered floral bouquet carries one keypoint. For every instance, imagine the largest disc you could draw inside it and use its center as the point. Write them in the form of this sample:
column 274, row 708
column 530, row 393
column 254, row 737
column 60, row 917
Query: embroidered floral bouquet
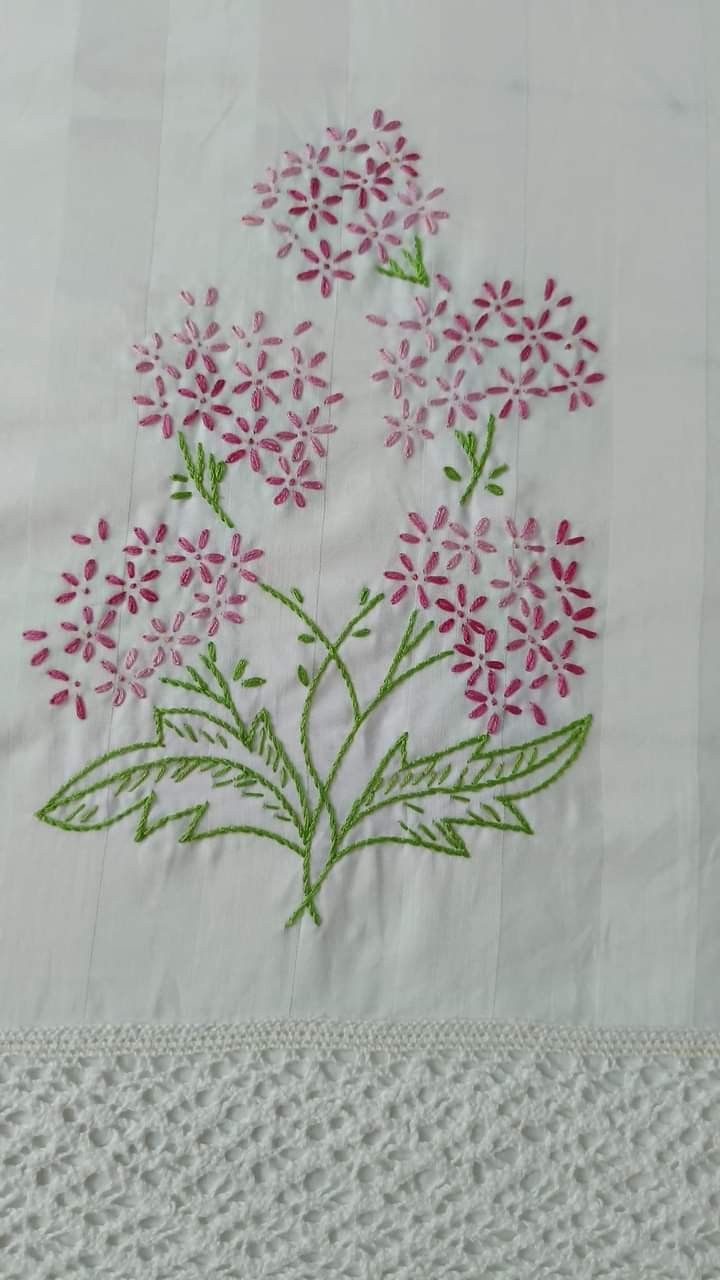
column 499, row 603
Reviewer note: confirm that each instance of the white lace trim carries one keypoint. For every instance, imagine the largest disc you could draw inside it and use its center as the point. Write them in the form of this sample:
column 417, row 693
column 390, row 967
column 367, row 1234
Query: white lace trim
column 370, row 1151
column 385, row 1036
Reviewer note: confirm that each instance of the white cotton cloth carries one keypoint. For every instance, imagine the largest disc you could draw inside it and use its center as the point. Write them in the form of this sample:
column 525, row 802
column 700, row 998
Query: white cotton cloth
column 574, row 142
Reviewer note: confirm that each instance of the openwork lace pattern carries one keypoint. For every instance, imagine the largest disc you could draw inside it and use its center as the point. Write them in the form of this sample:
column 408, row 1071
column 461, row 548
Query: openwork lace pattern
column 375, row 1152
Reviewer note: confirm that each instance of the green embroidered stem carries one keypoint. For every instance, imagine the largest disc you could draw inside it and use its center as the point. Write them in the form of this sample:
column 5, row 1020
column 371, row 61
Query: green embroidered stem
column 408, row 643
column 416, row 272
column 468, row 442
column 332, row 656
column 458, row 772
column 206, row 472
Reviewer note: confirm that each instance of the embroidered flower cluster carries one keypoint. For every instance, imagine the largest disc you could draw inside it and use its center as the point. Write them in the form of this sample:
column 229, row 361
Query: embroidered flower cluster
column 266, row 397
column 361, row 184
column 203, row 581
column 512, row 605
column 442, row 363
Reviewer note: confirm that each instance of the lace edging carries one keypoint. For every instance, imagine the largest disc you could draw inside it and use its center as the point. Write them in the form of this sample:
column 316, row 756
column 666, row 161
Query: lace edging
column 392, row 1037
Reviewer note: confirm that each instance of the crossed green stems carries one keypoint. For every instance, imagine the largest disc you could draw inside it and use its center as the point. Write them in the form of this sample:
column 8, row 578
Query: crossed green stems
column 339, row 831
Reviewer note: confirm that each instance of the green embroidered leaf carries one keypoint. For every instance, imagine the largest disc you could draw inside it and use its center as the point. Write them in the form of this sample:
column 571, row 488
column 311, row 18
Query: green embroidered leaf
column 254, row 682
column 468, row 443
column 481, row 784
column 306, row 638
column 298, row 595
column 452, row 474
column 147, row 780
column 361, row 631
column 494, row 488
column 364, row 595
column 240, row 668
column 499, row 471
column 303, row 676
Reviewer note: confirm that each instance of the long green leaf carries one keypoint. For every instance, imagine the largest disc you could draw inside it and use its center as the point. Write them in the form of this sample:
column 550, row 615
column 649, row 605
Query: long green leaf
column 482, row 785
column 189, row 744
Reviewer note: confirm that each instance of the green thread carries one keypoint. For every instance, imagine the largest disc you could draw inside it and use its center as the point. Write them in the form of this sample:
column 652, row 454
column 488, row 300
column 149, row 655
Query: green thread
column 415, row 271
column 468, row 442
column 481, row 784
column 206, row 472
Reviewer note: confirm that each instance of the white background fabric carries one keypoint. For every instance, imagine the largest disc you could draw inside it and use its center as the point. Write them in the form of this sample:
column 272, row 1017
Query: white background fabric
column 573, row 139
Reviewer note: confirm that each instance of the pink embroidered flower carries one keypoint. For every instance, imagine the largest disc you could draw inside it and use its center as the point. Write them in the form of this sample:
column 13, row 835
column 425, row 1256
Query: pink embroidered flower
column 412, row 579
column 239, row 559
column 561, row 667
column 376, row 233
column 290, row 237
column 37, row 636
column 420, row 208
column 516, row 389
column 400, row 155
column 158, row 407
column 219, row 604
column 494, row 701
column 578, row 339
column 133, row 587
column 346, row 141
column 269, row 190
column 169, row 639
column 78, row 584
column 533, row 636
column 205, row 345
column 206, row 401
column 457, row 398
column 575, row 382
column 562, row 535
column 249, row 339
column 408, row 428
column 147, row 544
column 305, row 366
column 462, row 545
column 314, row 161
column 468, row 339
column 306, row 432
column 195, row 557
column 421, row 531
column 571, row 595
column 499, row 302
column 460, row 614
column 525, row 539
column 520, row 585
column 127, row 675
column 535, row 336
column 553, row 296
column 380, row 123
column 89, row 633
column 372, row 180
column 426, row 321
column 476, row 658
column 250, row 442
column 313, row 205
column 258, row 381
column 71, row 693
column 293, row 479
column 326, row 266
column 148, row 354
column 402, row 372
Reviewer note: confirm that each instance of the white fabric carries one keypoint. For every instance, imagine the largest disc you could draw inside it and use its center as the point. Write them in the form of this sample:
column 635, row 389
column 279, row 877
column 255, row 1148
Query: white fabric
column 359, row 1152
column 572, row 139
